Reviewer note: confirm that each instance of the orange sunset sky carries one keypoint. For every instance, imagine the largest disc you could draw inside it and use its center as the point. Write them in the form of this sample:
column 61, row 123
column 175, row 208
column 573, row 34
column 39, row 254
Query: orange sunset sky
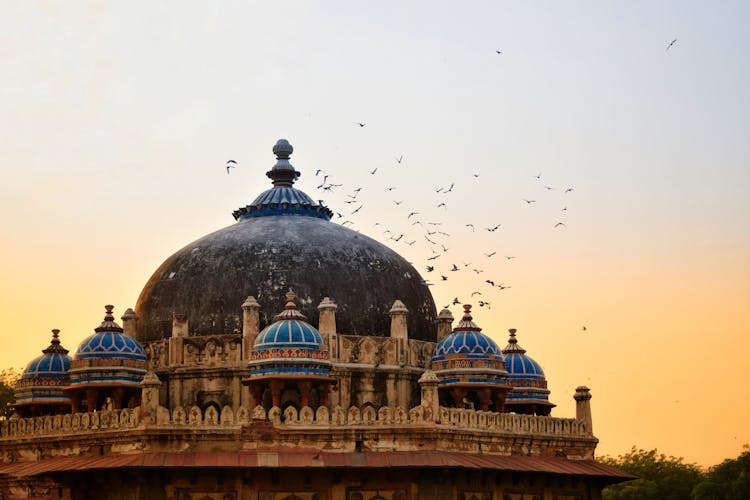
column 118, row 119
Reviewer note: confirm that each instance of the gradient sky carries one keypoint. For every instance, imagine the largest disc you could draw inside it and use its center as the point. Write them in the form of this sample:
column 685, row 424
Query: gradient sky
column 118, row 118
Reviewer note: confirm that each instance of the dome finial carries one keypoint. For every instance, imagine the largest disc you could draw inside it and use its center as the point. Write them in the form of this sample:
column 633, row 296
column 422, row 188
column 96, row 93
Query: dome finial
column 513, row 344
column 54, row 345
column 290, row 309
column 283, row 173
column 466, row 322
column 109, row 321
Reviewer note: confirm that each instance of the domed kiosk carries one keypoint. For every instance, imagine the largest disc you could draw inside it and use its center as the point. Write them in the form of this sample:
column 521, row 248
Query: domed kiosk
column 283, row 239
column 40, row 390
column 470, row 368
column 530, row 394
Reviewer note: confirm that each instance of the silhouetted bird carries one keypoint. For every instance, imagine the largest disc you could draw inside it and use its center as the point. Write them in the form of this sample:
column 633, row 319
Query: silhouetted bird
column 529, row 201
column 498, row 51
column 560, row 224
column 441, row 205
column 357, row 209
column 670, row 44
column 548, row 188
column 399, row 159
column 231, row 164
column 490, row 254
column 539, row 175
column 398, row 202
column 372, row 172
column 412, row 214
column 443, row 277
column 430, row 269
column 568, row 190
column 456, row 301
column 490, row 282
column 454, row 268
column 360, row 124
column 510, row 257
column 390, row 188
column 470, row 225
column 476, row 293
column 492, row 229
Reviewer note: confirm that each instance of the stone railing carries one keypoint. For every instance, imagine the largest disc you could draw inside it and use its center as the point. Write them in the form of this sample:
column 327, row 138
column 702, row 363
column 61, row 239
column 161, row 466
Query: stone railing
column 70, row 424
column 507, row 423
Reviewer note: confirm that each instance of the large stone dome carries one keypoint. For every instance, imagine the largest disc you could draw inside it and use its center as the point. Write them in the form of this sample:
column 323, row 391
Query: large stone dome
column 284, row 240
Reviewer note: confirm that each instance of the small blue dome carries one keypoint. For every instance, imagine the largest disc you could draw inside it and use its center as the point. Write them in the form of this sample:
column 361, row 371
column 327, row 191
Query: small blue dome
column 289, row 333
column 110, row 344
column 44, row 378
column 471, row 343
column 109, row 341
column 530, row 393
column 290, row 347
column 54, row 365
column 469, row 358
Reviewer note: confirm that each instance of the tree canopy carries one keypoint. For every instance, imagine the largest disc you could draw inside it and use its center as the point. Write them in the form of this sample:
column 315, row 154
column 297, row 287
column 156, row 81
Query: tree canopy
column 8, row 378
column 662, row 477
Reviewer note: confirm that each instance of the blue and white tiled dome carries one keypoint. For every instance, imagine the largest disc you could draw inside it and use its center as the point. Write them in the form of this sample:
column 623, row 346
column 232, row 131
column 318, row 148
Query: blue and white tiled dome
column 43, row 379
column 469, row 358
column 109, row 358
column 530, row 393
column 289, row 348
column 53, row 363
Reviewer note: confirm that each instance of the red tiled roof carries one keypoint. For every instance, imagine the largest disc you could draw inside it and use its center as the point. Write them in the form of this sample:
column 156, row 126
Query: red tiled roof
column 303, row 458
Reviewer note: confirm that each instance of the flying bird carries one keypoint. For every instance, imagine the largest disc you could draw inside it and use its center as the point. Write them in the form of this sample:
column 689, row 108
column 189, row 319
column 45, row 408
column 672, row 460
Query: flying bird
column 442, row 205
column 444, row 277
column 498, row 51
column 357, row 209
column 372, row 172
column 454, row 268
column 568, row 190
column 490, row 254
column 539, row 175
column 231, row 164
column 492, row 229
column 490, row 282
column 670, row 44
column 390, row 188
column 398, row 202
column 360, row 124
column 548, row 188
column 399, row 159
column 476, row 293
column 430, row 269
column 434, row 257
column 450, row 188
column 317, row 172
column 508, row 257
column 470, row 225
column 456, row 301
column 503, row 287
column 529, row 201
column 560, row 224
column 583, row 328
column 411, row 214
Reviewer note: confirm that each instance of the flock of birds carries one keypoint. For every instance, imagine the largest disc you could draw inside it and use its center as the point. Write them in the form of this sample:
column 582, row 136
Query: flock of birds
column 431, row 233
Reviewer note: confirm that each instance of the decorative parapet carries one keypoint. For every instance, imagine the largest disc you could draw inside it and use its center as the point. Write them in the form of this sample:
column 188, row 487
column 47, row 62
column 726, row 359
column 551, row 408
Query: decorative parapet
column 14, row 428
column 290, row 418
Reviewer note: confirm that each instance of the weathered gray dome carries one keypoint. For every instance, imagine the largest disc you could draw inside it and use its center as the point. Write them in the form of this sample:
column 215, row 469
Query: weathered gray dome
column 274, row 246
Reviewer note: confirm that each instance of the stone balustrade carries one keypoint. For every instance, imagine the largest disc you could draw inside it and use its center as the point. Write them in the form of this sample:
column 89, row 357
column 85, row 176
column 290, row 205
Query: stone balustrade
column 70, row 424
column 502, row 423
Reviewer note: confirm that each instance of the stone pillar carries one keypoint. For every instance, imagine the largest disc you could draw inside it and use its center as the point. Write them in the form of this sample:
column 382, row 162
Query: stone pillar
column 276, row 386
column 129, row 322
column 399, row 330
column 327, row 327
column 75, row 402
column 149, row 397
column 429, row 400
column 445, row 324
column 305, row 388
column 391, row 390
column 583, row 407
column 250, row 325
column 180, row 325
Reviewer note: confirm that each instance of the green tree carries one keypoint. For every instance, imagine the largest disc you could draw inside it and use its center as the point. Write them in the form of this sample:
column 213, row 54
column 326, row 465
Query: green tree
column 730, row 480
column 660, row 477
column 8, row 379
